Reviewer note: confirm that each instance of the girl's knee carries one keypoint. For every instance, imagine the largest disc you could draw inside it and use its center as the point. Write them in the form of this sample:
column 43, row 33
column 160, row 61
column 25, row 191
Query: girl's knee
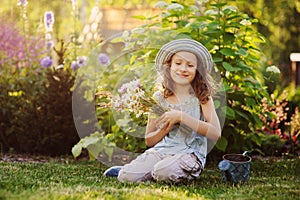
column 133, row 176
column 127, row 177
column 165, row 173
column 177, row 169
column 162, row 176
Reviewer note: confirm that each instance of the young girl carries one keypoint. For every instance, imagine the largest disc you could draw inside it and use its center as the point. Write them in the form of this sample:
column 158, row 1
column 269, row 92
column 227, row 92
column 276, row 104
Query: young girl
column 175, row 155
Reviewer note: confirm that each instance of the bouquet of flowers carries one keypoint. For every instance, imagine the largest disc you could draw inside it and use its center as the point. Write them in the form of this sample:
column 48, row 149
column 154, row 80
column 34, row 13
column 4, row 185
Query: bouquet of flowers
column 138, row 102
column 135, row 99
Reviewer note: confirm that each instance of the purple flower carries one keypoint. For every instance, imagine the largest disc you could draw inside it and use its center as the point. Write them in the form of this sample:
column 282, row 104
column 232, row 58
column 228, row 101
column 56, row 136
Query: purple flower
column 49, row 45
column 123, row 89
column 48, row 20
column 74, row 65
column 136, row 83
column 82, row 61
column 103, row 59
column 16, row 49
column 22, row 3
column 46, row 62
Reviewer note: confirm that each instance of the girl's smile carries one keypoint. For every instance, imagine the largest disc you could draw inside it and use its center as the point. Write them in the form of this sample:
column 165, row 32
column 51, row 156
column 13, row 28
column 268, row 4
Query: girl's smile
column 183, row 67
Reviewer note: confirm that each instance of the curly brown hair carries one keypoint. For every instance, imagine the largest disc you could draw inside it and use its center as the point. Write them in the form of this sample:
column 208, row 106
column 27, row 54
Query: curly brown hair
column 202, row 85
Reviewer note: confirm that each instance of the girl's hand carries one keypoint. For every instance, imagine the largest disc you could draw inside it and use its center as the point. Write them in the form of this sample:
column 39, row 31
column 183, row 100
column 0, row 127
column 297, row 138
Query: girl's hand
column 169, row 119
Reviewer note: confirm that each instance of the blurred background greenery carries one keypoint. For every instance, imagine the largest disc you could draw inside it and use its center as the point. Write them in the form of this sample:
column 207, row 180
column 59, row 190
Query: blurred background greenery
column 278, row 20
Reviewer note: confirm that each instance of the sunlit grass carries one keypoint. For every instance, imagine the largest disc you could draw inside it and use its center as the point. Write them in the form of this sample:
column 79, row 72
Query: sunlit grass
column 270, row 179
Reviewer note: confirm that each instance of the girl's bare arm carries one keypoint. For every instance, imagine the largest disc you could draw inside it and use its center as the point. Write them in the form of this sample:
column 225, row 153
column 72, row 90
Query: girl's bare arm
column 209, row 128
column 154, row 134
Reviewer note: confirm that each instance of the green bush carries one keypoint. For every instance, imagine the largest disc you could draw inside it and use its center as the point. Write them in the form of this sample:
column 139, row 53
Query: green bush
column 36, row 112
column 272, row 145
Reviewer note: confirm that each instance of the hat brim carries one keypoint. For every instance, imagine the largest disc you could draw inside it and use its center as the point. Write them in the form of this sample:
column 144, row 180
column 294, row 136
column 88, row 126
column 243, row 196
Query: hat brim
column 189, row 45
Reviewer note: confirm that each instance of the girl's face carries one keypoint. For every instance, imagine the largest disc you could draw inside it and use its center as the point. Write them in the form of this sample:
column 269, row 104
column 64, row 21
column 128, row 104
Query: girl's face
column 183, row 67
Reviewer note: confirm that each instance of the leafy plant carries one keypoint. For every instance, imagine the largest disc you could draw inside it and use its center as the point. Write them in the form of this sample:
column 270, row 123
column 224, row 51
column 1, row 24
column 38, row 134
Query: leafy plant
column 94, row 143
column 233, row 42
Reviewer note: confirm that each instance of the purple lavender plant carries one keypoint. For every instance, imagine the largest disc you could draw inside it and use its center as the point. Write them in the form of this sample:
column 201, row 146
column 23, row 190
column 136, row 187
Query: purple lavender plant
column 48, row 20
column 16, row 49
column 22, row 3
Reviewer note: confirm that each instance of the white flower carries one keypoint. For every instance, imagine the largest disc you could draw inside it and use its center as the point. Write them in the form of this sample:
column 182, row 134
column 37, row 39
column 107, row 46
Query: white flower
column 161, row 5
column 273, row 69
column 211, row 12
column 165, row 14
column 117, row 103
column 233, row 8
column 175, row 7
column 245, row 22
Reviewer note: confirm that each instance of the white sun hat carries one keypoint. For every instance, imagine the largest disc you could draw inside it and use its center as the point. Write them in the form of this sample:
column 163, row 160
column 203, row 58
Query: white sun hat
column 189, row 45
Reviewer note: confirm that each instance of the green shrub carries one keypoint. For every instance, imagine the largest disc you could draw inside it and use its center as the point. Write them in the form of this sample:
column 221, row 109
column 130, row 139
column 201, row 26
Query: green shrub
column 272, row 145
column 36, row 112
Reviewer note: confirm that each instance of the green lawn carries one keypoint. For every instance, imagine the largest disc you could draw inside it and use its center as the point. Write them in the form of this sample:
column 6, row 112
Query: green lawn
column 69, row 179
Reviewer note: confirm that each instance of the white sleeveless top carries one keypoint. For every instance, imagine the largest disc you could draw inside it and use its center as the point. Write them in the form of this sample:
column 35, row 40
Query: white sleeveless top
column 178, row 142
